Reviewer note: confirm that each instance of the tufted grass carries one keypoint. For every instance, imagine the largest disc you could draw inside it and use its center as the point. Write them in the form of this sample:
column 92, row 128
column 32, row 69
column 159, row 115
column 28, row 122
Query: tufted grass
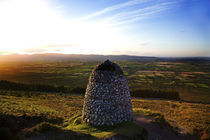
column 56, row 113
column 157, row 117
column 127, row 129
column 193, row 118
column 65, row 111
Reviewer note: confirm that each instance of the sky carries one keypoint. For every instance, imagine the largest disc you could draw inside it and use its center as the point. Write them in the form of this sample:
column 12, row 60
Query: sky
column 167, row 28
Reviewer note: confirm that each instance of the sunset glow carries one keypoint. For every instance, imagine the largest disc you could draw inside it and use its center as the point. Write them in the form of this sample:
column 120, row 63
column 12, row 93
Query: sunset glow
column 135, row 27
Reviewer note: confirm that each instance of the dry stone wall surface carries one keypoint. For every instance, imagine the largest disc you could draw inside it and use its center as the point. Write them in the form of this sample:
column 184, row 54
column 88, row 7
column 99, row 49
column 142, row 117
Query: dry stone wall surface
column 107, row 98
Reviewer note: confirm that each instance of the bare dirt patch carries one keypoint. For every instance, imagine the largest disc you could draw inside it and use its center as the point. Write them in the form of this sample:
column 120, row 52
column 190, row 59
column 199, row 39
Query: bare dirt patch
column 158, row 132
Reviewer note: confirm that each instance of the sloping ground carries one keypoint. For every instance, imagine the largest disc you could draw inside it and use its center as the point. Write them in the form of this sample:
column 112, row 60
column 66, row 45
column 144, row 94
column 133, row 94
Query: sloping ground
column 49, row 116
column 126, row 130
column 55, row 117
column 192, row 118
column 156, row 131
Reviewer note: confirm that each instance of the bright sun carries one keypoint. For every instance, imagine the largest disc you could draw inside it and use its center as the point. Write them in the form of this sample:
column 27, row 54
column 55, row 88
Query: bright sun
column 33, row 26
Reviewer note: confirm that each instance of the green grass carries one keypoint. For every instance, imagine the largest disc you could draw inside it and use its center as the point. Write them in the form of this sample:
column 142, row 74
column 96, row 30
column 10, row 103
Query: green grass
column 127, row 129
column 192, row 117
column 64, row 112
column 54, row 132
column 157, row 117
column 42, row 114
column 49, row 106
column 51, row 116
column 140, row 75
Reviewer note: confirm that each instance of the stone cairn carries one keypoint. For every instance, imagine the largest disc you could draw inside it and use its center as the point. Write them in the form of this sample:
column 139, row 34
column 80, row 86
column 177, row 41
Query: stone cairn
column 107, row 98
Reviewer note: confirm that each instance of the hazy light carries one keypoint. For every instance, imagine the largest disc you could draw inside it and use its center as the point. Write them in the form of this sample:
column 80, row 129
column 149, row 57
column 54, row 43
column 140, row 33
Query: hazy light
column 39, row 26
column 31, row 26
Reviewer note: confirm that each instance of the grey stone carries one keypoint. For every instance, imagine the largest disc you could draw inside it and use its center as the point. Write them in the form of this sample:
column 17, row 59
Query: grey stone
column 107, row 98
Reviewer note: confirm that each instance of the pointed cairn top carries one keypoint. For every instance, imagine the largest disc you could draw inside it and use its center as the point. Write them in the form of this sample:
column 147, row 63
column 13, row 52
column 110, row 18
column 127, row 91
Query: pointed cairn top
column 107, row 61
column 109, row 66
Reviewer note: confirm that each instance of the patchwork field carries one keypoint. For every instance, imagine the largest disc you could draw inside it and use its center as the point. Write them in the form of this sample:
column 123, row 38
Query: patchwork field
column 190, row 78
column 44, row 99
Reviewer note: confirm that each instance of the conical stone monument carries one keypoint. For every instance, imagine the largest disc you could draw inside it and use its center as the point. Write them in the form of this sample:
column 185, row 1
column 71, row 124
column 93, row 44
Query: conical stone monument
column 107, row 98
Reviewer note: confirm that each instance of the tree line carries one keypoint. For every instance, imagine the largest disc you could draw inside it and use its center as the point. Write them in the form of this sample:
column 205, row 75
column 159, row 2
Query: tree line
column 143, row 93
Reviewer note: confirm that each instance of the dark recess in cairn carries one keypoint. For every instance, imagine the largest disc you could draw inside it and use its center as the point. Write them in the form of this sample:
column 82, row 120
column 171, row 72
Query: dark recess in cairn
column 107, row 98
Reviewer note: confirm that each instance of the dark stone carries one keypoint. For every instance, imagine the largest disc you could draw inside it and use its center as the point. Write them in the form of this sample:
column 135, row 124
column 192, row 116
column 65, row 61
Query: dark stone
column 107, row 98
column 109, row 66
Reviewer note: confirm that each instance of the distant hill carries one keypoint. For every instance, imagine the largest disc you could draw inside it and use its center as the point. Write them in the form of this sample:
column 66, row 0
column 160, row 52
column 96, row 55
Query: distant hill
column 70, row 57
column 81, row 57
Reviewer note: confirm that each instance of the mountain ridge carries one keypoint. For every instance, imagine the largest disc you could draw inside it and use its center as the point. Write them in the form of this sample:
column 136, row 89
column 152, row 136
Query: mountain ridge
column 91, row 57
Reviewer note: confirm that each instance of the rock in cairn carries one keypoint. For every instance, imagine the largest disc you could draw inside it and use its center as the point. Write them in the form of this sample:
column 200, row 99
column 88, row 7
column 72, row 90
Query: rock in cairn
column 107, row 98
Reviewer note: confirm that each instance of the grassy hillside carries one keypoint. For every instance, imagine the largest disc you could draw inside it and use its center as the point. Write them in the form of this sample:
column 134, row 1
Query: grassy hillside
column 50, row 114
column 39, row 102
column 53, row 115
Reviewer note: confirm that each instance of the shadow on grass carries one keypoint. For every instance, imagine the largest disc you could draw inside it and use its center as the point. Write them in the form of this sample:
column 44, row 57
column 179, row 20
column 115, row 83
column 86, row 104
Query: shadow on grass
column 46, row 130
column 17, row 123
column 157, row 117
column 123, row 131
column 38, row 127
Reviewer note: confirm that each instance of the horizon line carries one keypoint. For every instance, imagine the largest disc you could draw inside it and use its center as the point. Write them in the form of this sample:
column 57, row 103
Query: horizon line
column 27, row 54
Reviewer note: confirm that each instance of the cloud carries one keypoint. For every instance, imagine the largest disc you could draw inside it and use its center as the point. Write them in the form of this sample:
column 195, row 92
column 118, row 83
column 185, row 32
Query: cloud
column 131, row 11
column 33, row 50
column 58, row 45
column 24, row 29
column 140, row 13
column 4, row 52
column 47, row 48
column 115, row 7
column 144, row 44
column 182, row 31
